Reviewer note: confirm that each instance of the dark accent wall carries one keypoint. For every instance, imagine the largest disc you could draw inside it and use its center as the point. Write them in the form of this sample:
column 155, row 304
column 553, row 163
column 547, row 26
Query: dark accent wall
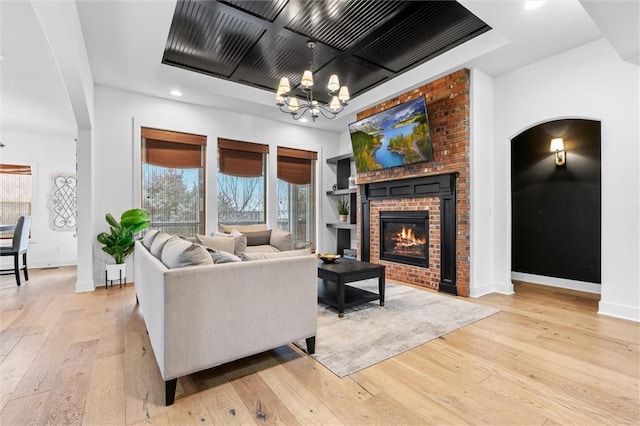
column 555, row 210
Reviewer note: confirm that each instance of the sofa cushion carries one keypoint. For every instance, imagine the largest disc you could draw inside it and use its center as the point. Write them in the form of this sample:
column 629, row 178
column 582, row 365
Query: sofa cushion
column 158, row 243
column 242, row 228
column 258, row 238
column 281, row 240
column 226, row 243
column 148, row 238
column 220, row 256
column 266, row 248
column 178, row 253
column 278, row 255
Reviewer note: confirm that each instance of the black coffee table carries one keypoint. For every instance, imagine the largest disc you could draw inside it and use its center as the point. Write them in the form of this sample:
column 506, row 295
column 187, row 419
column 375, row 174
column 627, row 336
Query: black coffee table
column 333, row 290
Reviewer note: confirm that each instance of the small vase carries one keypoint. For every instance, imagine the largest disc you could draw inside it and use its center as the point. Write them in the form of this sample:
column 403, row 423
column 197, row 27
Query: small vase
column 344, row 217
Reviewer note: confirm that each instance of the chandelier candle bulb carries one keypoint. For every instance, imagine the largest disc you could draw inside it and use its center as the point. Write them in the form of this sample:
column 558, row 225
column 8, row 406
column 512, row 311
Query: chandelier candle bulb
column 334, row 83
column 335, row 103
column 343, row 95
column 293, row 104
column 284, row 86
column 307, row 79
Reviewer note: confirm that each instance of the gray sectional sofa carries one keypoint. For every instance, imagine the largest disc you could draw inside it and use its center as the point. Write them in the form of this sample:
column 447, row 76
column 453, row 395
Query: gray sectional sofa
column 198, row 317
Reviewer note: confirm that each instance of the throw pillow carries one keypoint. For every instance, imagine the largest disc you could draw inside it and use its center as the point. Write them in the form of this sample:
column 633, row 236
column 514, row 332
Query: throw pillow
column 178, row 253
column 148, row 238
column 241, row 242
column 158, row 243
column 258, row 238
column 281, row 240
column 226, row 243
column 242, row 228
column 281, row 255
column 219, row 256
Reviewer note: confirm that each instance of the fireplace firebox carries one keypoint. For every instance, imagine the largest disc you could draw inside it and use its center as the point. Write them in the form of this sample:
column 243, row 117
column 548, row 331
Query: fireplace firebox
column 404, row 237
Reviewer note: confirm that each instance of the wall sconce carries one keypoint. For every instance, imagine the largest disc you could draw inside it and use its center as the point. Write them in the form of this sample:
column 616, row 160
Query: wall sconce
column 557, row 147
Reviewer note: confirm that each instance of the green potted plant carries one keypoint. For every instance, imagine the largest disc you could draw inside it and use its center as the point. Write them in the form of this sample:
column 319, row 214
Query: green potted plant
column 119, row 243
column 343, row 209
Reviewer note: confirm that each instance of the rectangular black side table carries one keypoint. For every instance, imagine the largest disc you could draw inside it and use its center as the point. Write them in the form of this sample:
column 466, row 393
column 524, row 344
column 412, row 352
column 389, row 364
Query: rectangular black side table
column 333, row 289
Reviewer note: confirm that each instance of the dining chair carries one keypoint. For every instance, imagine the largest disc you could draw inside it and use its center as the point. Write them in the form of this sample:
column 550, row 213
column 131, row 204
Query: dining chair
column 17, row 248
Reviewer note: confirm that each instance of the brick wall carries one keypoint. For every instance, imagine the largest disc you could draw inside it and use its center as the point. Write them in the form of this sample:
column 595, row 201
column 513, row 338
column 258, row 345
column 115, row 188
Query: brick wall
column 448, row 107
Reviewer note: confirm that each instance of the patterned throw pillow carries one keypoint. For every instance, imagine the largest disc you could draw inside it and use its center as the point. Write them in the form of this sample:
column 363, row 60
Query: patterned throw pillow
column 219, row 256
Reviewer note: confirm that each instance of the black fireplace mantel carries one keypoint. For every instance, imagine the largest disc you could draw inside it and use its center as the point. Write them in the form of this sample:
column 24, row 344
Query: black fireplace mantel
column 441, row 186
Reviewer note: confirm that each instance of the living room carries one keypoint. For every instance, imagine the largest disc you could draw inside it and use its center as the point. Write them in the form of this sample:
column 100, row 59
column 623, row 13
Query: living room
column 579, row 79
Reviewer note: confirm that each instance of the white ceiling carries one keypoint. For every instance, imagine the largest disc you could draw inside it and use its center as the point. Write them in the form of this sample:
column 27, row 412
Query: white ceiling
column 125, row 41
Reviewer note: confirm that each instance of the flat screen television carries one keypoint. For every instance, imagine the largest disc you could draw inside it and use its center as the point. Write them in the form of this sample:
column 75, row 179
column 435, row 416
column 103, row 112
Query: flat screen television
column 395, row 137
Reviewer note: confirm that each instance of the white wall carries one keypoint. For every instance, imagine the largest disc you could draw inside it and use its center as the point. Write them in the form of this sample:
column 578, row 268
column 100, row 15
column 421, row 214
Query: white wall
column 47, row 154
column 588, row 82
column 118, row 118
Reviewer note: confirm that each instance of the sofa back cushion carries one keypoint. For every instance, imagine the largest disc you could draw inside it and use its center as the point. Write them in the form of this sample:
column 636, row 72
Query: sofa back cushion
column 226, row 243
column 281, row 240
column 279, row 255
column 158, row 243
column 148, row 238
column 258, row 238
column 178, row 253
column 242, row 228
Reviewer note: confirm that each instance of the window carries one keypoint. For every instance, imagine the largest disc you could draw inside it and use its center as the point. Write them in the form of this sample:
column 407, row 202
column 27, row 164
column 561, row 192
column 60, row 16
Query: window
column 296, row 193
column 241, row 182
column 15, row 194
column 173, row 181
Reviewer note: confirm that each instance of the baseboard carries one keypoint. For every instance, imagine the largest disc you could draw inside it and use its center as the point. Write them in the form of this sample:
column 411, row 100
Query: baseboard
column 557, row 282
column 631, row 313
column 51, row 263
column 84, row 286
column 481, row 290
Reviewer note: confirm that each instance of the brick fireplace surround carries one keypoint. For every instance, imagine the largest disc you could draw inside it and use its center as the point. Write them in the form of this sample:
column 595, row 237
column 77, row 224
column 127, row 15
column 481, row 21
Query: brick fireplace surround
column 448, row 107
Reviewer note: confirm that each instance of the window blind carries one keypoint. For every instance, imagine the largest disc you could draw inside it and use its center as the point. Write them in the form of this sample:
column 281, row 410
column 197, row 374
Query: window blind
column 295, row 165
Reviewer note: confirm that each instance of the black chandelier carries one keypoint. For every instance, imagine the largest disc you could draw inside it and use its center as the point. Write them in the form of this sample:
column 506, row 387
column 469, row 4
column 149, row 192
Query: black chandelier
column 289, row 104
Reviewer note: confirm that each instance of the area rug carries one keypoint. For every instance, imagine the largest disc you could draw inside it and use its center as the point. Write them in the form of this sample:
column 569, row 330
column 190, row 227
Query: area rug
column 370, row 333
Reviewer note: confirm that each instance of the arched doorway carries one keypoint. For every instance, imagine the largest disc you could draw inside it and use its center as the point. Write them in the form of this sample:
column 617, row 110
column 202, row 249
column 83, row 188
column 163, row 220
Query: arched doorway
column 556, row 209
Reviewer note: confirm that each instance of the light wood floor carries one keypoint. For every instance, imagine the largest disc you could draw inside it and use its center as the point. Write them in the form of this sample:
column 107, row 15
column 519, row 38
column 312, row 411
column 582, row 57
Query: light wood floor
column 546, row 358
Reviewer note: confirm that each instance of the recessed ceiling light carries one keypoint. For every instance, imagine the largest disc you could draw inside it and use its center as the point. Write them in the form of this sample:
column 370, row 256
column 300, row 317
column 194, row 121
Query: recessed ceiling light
column 533, row 4
column 176, row 92
column 1, row 57
column 304, row 120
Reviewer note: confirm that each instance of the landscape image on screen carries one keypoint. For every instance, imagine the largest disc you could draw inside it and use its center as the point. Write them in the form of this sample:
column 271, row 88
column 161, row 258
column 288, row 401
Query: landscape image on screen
column 395, row 137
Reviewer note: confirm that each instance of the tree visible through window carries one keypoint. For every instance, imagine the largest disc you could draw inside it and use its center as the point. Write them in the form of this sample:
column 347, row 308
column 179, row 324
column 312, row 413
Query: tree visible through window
column 15, row 194
column 241, row 182
column 296, row 194
column 173, row 180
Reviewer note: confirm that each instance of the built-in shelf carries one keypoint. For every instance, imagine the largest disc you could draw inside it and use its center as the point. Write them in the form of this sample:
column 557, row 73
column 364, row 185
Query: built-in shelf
column 345, row 191
column 342, row 225
column 344, row 230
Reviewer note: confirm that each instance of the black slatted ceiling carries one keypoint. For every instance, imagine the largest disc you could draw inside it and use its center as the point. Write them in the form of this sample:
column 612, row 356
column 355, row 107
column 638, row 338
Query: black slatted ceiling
column 208, row 40
column 340, row 24
column 267, row 10
column 364, row 42
column 429, row 31
column 286, row 59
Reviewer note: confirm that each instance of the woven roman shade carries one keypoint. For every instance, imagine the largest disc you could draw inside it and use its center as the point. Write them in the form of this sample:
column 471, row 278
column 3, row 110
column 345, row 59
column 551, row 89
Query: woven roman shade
column 15, row 169
column 175, row 150
column 295, row 165
column 242, row 159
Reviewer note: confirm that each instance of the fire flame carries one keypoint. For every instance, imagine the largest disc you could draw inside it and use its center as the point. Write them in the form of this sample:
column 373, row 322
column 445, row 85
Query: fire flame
column 406, row 238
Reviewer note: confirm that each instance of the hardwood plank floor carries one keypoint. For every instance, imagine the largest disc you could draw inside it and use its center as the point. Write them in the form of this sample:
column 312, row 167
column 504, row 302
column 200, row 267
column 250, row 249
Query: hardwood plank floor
column 546, row 358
